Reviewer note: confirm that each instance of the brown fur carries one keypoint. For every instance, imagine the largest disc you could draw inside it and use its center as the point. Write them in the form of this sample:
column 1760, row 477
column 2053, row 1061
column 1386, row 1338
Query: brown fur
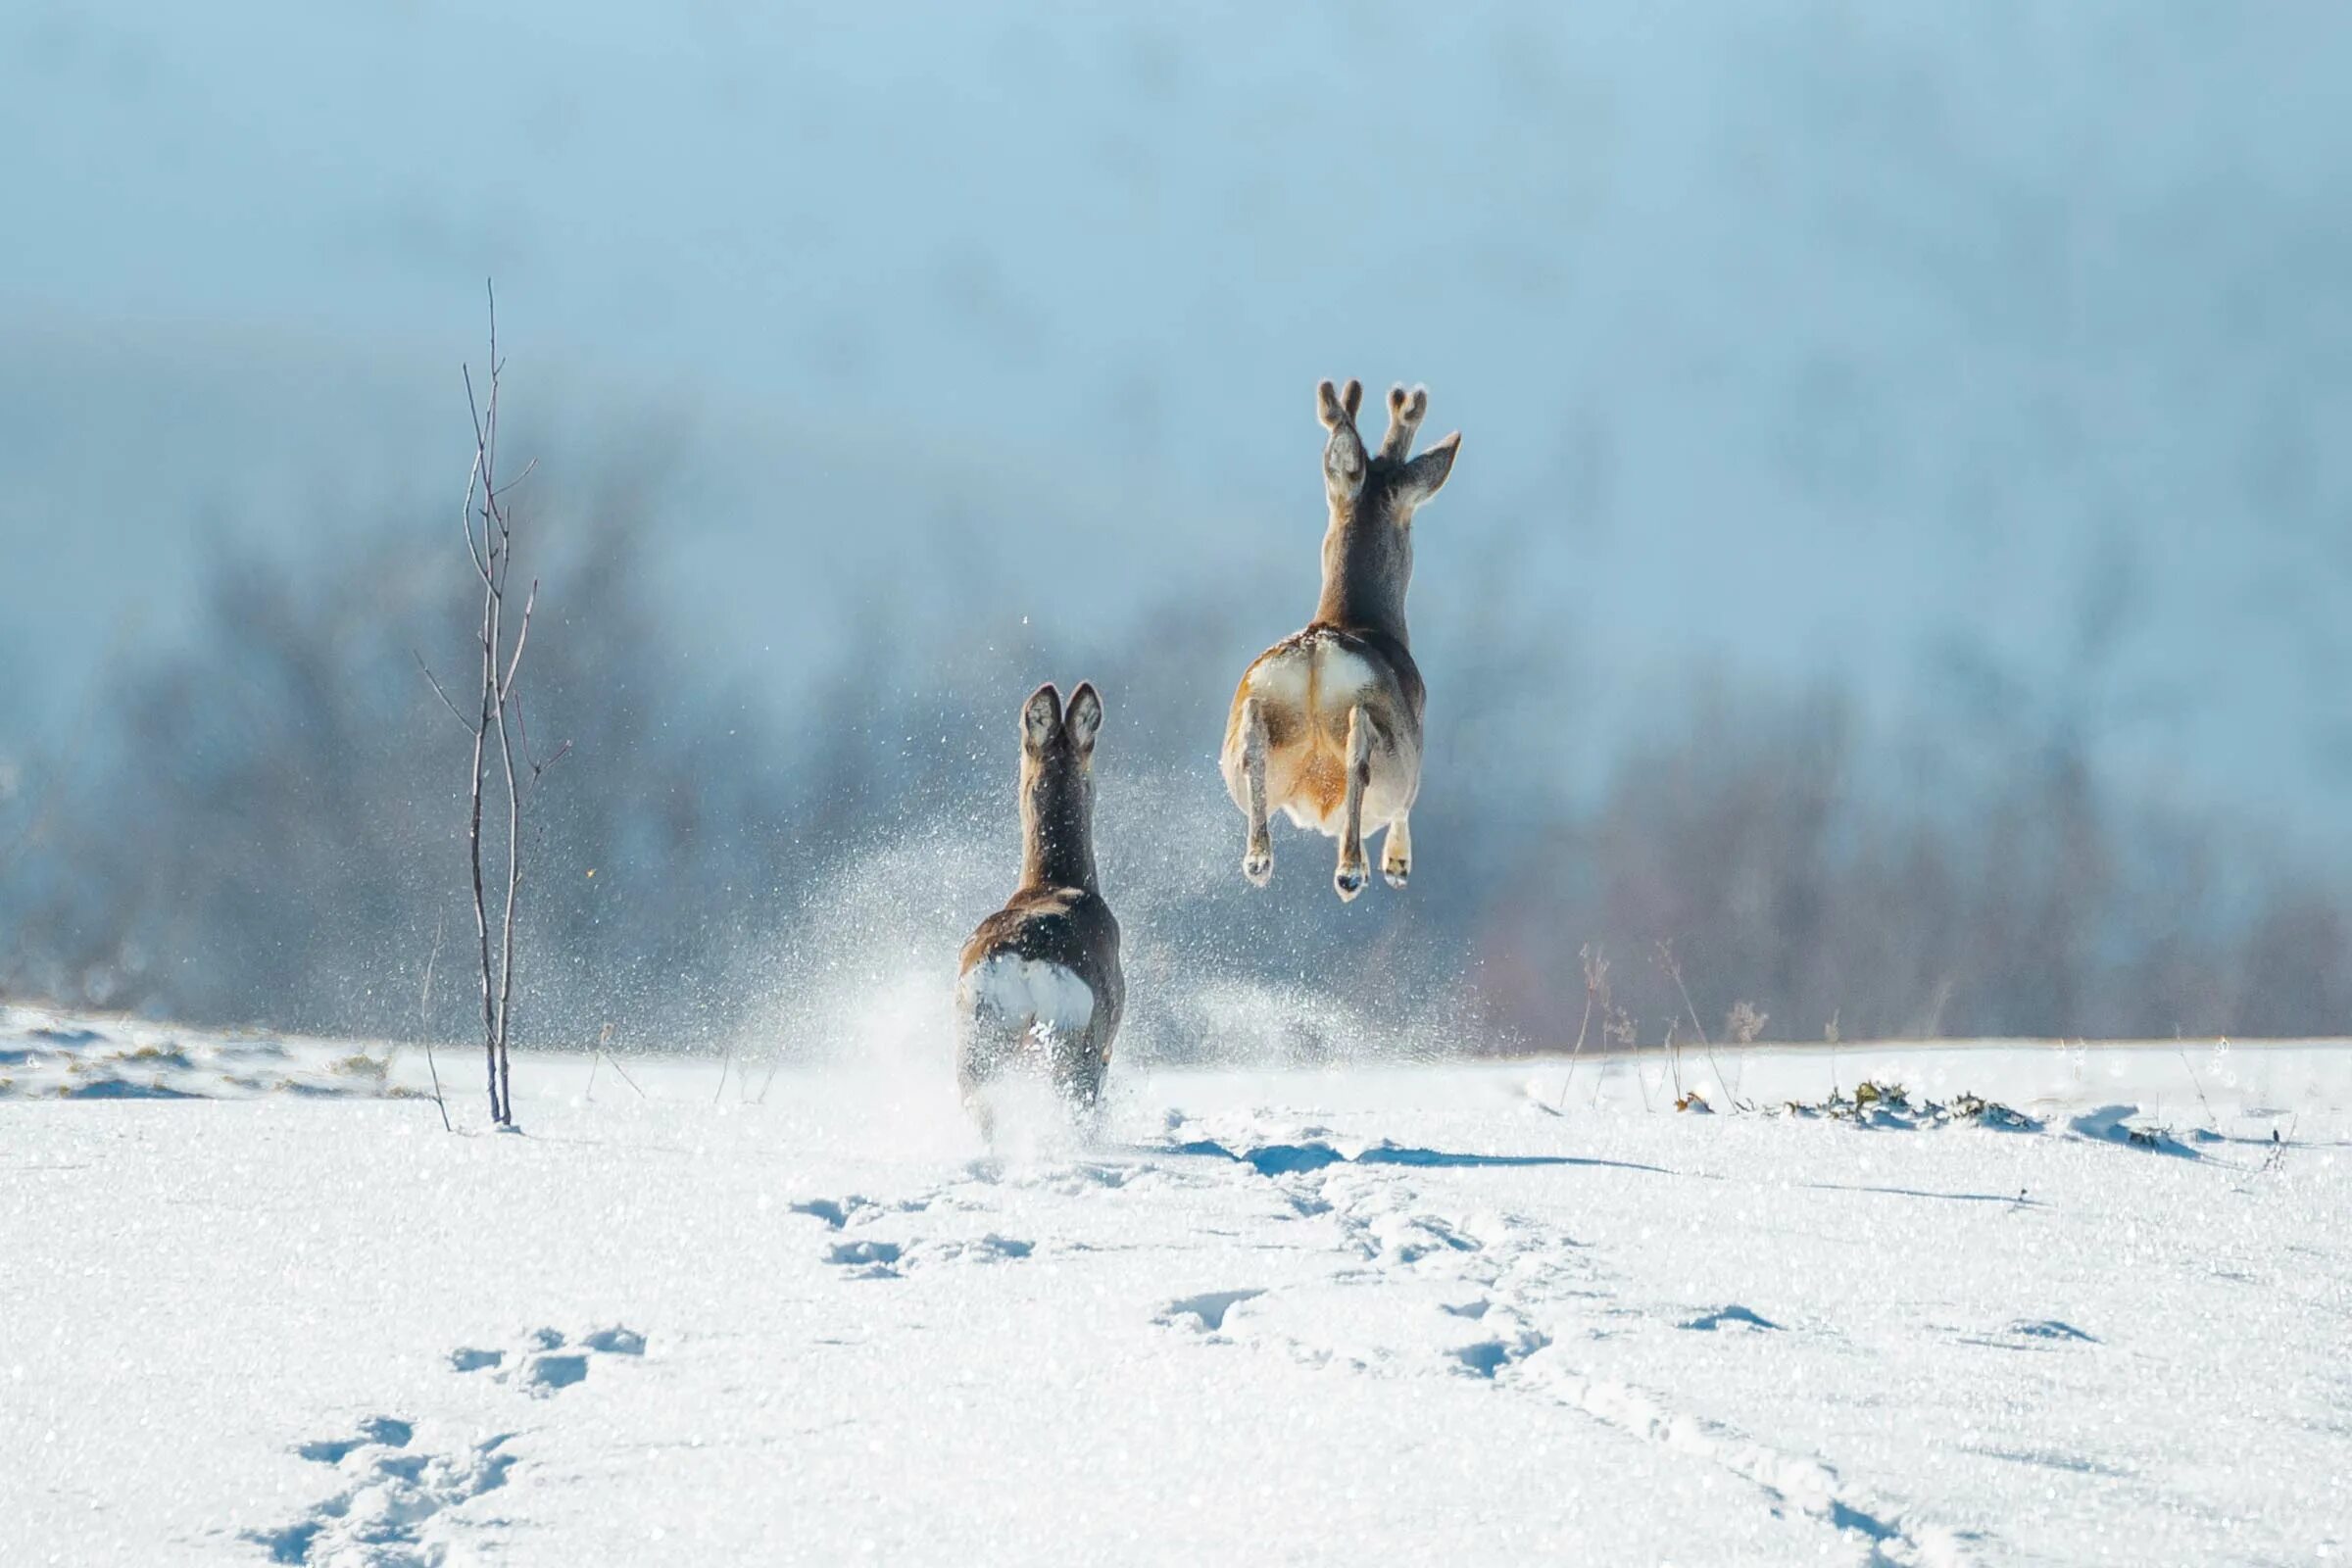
column 1056, row 915
column 1326, row 724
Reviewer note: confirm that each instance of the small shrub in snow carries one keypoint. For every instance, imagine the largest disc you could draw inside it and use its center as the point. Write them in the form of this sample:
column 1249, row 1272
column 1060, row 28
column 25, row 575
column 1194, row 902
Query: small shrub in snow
column 1991, row 1113
column 1877, row 1105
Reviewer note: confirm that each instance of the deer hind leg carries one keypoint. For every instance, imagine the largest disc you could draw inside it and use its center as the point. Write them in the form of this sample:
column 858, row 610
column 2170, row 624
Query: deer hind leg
column 1396, row 853
column 1352, row 874
column 973, row 1071
column 1257, row 858
column 1078, row 1069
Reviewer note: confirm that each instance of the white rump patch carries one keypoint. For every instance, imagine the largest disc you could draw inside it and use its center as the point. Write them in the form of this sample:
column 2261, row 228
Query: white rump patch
column 1047, row 1000
column 1346, row 677
column 1339, row 677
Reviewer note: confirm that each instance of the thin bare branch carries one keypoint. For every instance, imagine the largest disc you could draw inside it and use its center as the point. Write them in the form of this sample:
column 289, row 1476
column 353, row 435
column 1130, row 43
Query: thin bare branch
column 473, row 477
column 424, row 1025
column 505, row 489
column 1674, row 968
column 521, row 636
column 431, row 680
column 1597, row 978
column 467, row 370
column 604, row 1050
column 769, row 1082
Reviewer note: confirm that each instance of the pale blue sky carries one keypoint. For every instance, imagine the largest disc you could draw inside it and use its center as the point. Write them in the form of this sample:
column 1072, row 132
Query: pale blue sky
column 1807, row 338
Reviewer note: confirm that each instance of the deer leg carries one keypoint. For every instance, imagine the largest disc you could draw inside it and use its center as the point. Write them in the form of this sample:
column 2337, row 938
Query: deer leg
column 1352, row 874
column 1078, row 1080
column 1257, row 859
column 1396, row 853
column 972, row 1084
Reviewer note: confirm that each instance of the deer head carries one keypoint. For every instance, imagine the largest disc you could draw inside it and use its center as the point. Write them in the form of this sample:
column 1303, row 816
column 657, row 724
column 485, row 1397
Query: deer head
column 1368, row 546
column 1058, row 787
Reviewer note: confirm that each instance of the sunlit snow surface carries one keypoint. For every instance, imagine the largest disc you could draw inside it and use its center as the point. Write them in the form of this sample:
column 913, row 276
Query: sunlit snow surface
column 1473, row 1314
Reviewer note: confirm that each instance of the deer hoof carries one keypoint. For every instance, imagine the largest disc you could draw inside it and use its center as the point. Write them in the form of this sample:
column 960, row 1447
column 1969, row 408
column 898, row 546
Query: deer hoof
column 1259, row 866
column 1398, row 873
column 1349, row 880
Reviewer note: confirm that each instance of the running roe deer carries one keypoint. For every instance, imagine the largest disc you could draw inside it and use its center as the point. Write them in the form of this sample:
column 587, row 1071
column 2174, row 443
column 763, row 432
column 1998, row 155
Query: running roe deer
column 1040, row 988
column 1326, row 725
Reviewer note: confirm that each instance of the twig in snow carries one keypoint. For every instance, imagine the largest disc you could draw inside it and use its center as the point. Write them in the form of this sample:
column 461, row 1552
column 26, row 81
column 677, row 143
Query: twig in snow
column 596, row 1059
column 2199, row 1087
column 425, row 1026
column 1596, row 979
column 623, row 1071
column 775, row 1067
column 1673, row 969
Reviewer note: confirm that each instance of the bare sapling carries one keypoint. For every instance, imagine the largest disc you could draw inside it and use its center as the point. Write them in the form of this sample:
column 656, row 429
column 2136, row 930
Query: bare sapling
column 1624, row 1037
column 1597, row 992
column 1674, row 971
column 1746, row 1025
column 494, row 719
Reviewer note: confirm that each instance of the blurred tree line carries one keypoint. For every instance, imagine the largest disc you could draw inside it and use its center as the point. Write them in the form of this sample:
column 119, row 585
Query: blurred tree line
column 266, row 827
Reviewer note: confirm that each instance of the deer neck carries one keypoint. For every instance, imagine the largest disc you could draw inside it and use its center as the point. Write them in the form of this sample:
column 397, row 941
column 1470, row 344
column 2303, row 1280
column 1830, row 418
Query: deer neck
column 1058, row 836
column 1364, row 577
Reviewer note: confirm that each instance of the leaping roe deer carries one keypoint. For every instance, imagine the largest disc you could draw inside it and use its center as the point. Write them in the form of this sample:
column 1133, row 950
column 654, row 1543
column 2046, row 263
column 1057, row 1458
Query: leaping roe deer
column 1326, row 725
column 1040, row 991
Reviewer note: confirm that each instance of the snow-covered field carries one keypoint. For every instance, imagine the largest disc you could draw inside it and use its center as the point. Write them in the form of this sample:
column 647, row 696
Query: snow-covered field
column 1477, row 1313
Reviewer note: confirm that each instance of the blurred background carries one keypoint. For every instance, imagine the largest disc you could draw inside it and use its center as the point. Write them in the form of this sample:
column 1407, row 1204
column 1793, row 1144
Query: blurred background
column 1895, row 577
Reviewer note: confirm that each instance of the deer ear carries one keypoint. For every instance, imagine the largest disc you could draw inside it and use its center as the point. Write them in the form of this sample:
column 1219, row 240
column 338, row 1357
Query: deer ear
column 1327, row 406
column 1426, row 474
column 1040, row 716
column 1085, row 715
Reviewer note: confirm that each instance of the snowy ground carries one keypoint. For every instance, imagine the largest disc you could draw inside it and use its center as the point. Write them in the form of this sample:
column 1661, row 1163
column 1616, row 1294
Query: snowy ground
column 1493, row 1315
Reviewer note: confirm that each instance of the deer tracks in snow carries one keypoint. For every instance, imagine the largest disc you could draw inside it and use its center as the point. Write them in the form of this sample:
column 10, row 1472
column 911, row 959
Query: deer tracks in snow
column 401, row 1501
column 1434, row 1283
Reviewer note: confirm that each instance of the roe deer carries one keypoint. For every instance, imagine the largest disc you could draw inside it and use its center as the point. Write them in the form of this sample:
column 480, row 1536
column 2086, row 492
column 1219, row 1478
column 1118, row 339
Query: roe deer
column 1326, row 725
column 1040, row 988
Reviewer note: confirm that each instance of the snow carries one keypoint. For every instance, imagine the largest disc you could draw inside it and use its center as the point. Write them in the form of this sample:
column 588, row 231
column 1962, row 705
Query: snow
column 1497, row 1312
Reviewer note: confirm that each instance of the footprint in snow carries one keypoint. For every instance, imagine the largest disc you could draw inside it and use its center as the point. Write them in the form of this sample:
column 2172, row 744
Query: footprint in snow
column 1486, row 1357
column 1206, row 1312
column 2052, row 1329
column 854, row 1210
column 835, row 1212
column 385, row 1513
column 544, row 1374
column 1733, row 1316
column 543, row 1364
column 389, row 1431
column 866, row 1260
